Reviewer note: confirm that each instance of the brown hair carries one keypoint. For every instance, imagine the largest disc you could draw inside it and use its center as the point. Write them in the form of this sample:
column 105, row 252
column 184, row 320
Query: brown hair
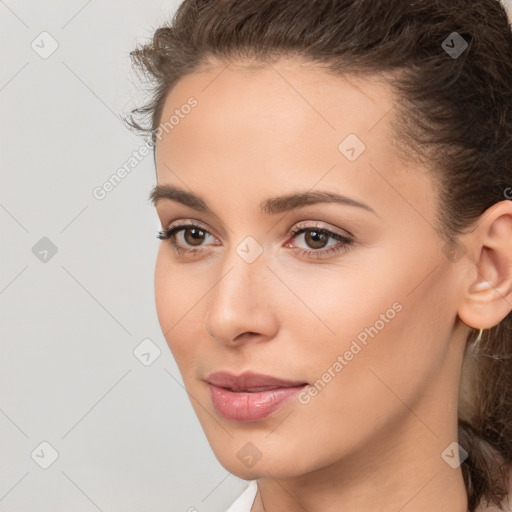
column 454, row 112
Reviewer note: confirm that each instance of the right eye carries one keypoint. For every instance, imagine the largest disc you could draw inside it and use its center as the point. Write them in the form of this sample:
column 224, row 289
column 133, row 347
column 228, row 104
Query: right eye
column 192, row 235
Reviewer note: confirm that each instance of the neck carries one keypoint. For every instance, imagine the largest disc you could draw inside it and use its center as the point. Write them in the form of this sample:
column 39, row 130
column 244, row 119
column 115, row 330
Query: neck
column 401, row 470
column 416, row 482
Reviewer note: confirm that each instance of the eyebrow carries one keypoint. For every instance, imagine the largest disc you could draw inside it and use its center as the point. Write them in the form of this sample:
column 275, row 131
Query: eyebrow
column 271, row 206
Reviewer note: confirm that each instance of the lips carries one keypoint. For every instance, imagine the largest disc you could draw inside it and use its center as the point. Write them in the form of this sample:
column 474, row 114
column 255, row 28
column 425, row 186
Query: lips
column 250, row 396
column 249, row 381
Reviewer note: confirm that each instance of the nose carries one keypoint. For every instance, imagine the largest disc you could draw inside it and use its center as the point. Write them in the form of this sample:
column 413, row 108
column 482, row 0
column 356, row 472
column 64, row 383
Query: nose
column 242, row 304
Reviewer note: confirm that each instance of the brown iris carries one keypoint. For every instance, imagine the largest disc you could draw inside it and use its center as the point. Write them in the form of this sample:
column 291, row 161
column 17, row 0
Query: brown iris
column 197, row 235
column 315, row 239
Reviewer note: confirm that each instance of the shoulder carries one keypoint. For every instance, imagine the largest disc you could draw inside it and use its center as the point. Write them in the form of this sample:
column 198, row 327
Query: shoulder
column 245, row 501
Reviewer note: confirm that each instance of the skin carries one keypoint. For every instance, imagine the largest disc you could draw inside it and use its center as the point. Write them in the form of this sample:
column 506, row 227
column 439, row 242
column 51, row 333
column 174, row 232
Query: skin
column 372, row 438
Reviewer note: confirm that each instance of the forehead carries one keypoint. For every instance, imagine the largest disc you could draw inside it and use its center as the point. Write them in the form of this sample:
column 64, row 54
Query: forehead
column 275, row 104
column 285, row 125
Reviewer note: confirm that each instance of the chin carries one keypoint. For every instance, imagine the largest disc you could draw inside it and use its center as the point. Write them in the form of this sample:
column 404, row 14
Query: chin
column 253, row 459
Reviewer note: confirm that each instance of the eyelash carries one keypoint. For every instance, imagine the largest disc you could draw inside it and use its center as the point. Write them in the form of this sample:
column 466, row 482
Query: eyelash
column 170, row 232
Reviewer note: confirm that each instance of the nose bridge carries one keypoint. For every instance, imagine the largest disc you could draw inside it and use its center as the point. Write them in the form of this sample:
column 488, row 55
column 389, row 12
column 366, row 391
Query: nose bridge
column 241, row 281
column 239, row 299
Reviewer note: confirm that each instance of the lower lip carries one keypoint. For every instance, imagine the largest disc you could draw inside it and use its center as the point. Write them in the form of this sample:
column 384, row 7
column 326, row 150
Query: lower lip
column 251, row 406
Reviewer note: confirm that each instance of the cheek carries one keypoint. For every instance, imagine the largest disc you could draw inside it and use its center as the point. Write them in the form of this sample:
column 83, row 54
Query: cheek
column 385, row 343
column 180, row 293
column 173, row 299
column 376, row 316
column 164, row 292
column 336, row 306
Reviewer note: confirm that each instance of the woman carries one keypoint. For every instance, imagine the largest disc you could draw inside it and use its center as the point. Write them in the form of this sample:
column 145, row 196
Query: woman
column 335, row 273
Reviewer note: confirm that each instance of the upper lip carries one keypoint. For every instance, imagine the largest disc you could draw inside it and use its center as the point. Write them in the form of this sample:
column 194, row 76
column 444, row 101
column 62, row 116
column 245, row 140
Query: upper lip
column 249, row 381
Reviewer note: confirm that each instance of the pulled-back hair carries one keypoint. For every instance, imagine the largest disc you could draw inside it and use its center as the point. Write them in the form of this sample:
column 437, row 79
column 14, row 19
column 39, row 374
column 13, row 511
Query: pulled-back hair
column 454, row 112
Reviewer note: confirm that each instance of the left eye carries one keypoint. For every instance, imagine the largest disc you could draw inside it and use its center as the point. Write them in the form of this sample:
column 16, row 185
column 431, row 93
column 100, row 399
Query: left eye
column 315, row 237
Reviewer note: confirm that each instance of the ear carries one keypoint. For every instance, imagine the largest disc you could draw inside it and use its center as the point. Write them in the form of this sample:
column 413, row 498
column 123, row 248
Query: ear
column 487, row 291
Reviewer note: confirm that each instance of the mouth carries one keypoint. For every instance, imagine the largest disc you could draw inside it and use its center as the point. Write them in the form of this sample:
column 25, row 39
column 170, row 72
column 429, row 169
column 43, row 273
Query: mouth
column 250, row 396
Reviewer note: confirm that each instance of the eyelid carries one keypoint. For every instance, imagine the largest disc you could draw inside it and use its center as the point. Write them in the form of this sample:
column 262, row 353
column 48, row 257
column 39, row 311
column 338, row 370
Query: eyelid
column 183, row 222
column 321, row 226
column 306, row 224
column 175, row 226
column 187, row 222
column 179, row 216
column 344, row 242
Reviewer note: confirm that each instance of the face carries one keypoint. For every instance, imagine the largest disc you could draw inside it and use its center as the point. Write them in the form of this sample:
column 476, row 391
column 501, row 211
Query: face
column 333, row 298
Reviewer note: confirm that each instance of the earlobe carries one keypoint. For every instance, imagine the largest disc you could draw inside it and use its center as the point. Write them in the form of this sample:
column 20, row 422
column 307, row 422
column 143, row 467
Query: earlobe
column 488, row 295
